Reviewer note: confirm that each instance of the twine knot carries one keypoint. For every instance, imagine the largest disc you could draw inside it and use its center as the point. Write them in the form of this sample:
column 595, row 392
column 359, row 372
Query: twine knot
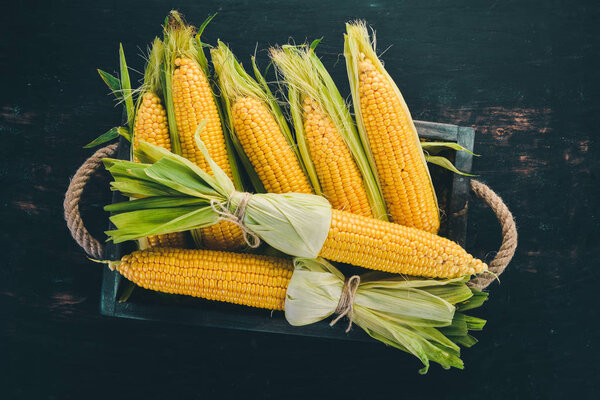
column 346, row 304
column 223, row 209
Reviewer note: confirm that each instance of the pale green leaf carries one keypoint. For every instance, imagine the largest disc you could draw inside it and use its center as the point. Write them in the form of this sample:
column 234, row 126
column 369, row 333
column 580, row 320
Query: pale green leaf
column 111, row 134
column 113, row 83
column 445, row 163
column 435, row 147
column 126, row 88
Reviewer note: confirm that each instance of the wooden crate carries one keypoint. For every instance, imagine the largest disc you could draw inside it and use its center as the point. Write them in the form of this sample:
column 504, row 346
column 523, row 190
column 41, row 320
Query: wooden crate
column 453, row 194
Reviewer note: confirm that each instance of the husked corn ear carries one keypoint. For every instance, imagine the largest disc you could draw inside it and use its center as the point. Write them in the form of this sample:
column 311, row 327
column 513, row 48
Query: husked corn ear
column 340, row 179
column 390, row 247
column 151, row 123
column 193, row 102
column 248, row 279
column 267, row 149
column 151, row 126
column 403, row 175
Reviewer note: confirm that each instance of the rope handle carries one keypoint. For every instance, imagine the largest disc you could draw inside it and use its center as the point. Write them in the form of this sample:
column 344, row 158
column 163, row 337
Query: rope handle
column 509, row 234
column 95, row 249
column 71, row 204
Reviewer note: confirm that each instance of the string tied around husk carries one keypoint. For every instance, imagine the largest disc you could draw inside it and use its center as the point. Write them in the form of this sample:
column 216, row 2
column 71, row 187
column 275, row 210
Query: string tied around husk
column 223, row 209
column 345, row 306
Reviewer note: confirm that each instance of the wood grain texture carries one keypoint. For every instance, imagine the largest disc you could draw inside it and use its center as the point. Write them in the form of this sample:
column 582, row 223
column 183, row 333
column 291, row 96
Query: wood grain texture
column 524, row 74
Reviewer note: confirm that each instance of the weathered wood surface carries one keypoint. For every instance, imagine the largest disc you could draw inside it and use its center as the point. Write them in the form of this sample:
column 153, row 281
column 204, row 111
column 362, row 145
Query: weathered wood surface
column 524, row 74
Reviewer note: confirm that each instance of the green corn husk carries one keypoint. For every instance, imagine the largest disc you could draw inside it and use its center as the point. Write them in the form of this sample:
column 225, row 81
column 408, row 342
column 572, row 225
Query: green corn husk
column 121, row 89
column 174, row 195
column 406, row 313
column 306, row 76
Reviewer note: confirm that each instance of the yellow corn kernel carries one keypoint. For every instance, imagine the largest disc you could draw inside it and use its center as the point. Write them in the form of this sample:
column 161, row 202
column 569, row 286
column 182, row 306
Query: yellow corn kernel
column 151, row 123
column 340, row 179
column 390, row 247
column 173, row 240
column 247, row 279
column 266, row 148
column 151, row 126
column 193, row 102
column 403, row 175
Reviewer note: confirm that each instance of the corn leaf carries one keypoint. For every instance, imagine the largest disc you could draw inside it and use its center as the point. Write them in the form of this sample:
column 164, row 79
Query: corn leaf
column 445, row 163
column 143, row 223
column 436, row 147
column 139, row 188
column 126, row 88
column 111, row 134
column 466, row 340
column 452, row 293
column 201, row 56
column 475, row 301
column 156, row 203
column 113, row 83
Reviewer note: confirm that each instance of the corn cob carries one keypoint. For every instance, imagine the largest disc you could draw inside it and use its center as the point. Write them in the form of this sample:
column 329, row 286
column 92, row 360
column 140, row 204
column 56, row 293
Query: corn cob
column 387, row 127
column 266, row 147
column 247, row 279
column 176, row 240
column 259, row 126
column 390, row 247
column 193, row 102
column 151, row 123
column 433, row 324
column 151, row 126
column 338, row 174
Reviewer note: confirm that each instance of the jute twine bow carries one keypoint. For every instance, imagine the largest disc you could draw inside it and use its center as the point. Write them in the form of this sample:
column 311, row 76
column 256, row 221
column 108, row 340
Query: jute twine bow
column 346, row 304
column 95, row 249
column 236, row 217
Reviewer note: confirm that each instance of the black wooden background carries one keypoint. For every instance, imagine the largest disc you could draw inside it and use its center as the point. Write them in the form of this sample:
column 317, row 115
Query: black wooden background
column 525, row 74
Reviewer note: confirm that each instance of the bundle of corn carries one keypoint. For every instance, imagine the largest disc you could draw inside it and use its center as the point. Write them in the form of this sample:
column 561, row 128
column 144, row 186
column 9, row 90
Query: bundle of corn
column 151, row 126
column 330, row 190
column 421, row 317
column 260, row 130
column 298, row 224
column 326, row 135
column 389, row 134
column 190, row 100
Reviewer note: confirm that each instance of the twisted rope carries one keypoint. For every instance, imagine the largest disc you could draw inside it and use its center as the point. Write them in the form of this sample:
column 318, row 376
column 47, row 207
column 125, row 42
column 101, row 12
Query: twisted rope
column 73, row 195
column 509, row 234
